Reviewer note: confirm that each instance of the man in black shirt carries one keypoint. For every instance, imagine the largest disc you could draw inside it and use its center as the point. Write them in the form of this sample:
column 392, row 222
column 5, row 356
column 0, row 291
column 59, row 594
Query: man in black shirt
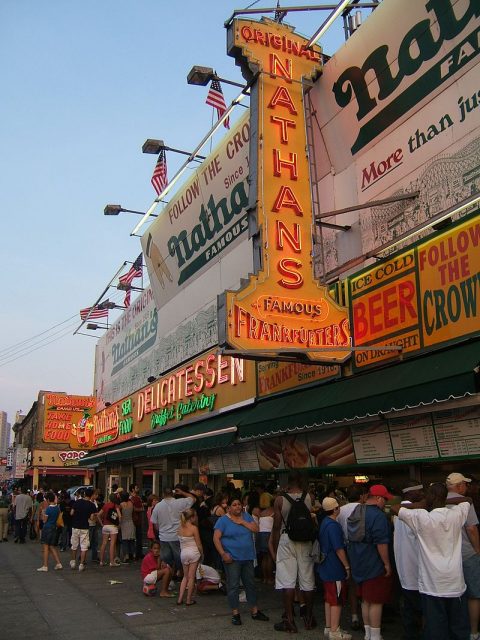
column 81, row 510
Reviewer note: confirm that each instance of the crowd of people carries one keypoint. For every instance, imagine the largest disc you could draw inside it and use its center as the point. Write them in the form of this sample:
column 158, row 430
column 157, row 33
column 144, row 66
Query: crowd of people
column 425, row 545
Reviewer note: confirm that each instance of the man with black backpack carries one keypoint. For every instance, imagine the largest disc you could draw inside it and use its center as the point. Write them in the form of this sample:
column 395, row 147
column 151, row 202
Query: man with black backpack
column 292, row 535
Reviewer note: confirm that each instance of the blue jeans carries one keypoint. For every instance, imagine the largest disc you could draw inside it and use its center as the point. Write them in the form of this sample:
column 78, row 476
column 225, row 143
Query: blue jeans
column 234, row 572
column 445, row 618
column 65, row 535
column 170, row 553
column 21, row 529
column 93, row 539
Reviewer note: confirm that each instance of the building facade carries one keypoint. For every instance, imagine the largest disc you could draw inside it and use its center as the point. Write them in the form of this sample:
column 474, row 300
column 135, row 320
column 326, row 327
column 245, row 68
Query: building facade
column 387, row 387
column 4, row 433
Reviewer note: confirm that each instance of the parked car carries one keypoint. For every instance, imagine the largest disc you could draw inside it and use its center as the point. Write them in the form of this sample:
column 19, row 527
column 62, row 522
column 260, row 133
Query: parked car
column 75, row 492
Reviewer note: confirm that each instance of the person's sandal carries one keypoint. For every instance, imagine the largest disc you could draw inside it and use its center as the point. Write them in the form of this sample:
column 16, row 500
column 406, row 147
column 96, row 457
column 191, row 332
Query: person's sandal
column 236, row 620
column 260, row 616
column 285, row 625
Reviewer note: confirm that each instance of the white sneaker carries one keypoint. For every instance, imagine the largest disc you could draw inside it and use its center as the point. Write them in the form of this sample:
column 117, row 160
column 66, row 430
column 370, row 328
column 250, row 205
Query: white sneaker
column 58, row 566
column 339, row 634
column 43, row 569
column 81, row 567
column 326, row 632
column 72, row 564
column 475, row 636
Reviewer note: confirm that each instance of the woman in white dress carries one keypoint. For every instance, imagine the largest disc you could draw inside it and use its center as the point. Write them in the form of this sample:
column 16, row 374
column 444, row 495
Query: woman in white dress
column 190, row 553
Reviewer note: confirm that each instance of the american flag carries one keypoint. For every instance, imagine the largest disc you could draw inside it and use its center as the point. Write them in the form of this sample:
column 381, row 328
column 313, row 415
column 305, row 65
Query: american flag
column 159, row 179
column 215, row 99
column 126, row 302
column 93, row 312
column 135, row 271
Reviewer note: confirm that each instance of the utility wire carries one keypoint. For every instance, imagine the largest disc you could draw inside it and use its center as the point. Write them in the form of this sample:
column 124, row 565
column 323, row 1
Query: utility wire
column 65, row 333
column 17, row 344
column 26, row 348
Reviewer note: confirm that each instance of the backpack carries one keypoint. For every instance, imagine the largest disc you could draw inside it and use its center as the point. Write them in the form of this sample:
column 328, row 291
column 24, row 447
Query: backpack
column 112, row 515
column 299, row 525
column 356, row 524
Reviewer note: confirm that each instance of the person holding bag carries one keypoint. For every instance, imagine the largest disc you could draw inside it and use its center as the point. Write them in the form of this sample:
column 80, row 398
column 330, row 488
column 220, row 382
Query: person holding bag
column 109, row 518
column 49, row 532
column 233, row 539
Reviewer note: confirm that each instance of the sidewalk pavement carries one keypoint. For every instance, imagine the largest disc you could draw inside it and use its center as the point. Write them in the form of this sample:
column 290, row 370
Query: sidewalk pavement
column 95, row 603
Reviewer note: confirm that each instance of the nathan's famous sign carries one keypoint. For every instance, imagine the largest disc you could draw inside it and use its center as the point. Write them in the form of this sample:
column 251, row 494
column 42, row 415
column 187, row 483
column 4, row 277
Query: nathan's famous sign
column 207, row 385
column 204, row 221
column 282, row 306
column 67, row 420
column 426, row 55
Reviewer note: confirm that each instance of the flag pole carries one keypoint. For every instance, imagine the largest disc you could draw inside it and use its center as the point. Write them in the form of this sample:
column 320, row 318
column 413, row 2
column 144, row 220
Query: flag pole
column 117, row 273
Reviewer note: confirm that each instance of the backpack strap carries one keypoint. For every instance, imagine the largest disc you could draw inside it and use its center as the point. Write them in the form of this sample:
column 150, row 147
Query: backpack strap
column 289, row 498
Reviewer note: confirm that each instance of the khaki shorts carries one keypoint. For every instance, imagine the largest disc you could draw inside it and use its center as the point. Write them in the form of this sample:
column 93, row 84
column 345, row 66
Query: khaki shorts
column 80, row 537
column 294, row 562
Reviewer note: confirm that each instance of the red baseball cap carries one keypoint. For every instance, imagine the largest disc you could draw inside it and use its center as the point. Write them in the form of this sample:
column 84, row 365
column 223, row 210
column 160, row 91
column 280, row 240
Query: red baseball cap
column 380, row 491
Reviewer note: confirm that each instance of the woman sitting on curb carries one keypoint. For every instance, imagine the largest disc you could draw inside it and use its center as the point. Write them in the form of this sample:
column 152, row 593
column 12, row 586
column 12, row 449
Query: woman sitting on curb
column 154, row 570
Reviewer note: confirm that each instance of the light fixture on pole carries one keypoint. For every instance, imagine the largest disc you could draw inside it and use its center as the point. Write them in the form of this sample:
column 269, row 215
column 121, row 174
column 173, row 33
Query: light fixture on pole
column 115, row 209
column 185, row 165
column 154, row 146
column 124, row 286
column 201, row 76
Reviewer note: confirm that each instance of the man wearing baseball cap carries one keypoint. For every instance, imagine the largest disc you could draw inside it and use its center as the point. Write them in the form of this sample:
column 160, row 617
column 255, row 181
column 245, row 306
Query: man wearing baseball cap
column 370, row 562
column 457, row 485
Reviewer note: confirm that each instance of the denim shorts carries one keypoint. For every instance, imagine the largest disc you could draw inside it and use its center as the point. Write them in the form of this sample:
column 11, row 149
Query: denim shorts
column 262, row 541
column 471, row 573
column 49, row 535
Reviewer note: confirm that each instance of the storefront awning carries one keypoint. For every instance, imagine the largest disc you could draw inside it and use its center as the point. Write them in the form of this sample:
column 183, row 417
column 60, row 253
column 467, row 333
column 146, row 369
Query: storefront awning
column 128, row 450
column 217, row 432
column 423, row 381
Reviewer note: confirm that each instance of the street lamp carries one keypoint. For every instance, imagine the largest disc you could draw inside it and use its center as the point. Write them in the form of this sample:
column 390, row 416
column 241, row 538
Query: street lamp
column 115, row 209
column 201, row 76
column 154, row 146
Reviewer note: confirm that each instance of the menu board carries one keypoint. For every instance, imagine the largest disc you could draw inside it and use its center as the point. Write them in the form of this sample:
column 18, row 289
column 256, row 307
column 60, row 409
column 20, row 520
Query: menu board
column 270, row 456
column 231, row 461
column 331, row 447
column 460, row 438
column 413, row 443
column 247, row 455
column 372, row 443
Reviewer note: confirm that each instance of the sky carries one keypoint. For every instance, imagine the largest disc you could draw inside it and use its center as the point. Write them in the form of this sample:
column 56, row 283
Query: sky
column 84, row 84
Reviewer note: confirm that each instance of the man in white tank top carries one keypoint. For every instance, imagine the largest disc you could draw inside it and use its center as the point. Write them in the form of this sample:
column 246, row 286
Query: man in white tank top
column 294, row 559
